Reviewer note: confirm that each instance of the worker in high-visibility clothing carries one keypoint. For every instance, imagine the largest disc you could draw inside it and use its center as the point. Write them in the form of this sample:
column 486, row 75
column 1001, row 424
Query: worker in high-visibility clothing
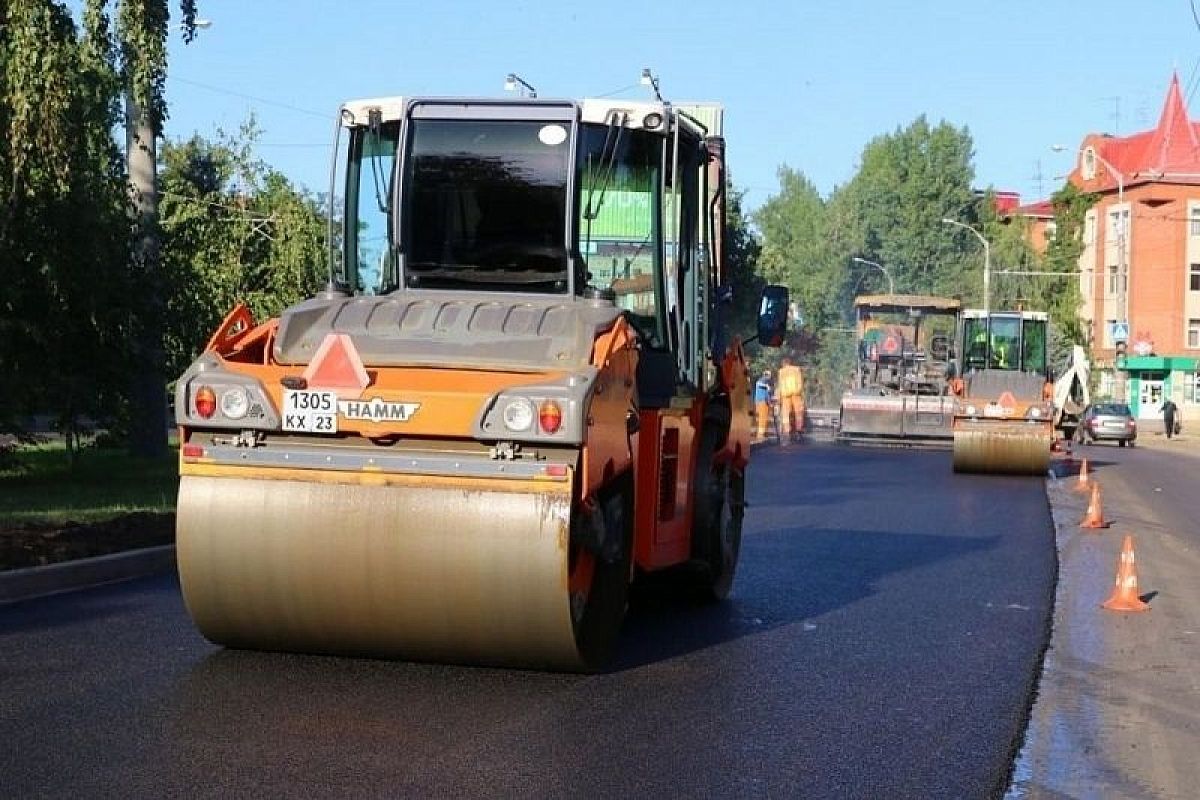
column 762, row 403
column 791, row 399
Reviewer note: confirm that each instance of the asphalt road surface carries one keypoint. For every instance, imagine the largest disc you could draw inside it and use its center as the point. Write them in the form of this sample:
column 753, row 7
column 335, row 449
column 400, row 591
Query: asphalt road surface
column 883, row 635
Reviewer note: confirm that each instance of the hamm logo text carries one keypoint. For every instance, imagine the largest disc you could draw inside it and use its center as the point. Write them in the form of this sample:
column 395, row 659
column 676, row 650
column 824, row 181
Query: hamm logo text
column 377, row 410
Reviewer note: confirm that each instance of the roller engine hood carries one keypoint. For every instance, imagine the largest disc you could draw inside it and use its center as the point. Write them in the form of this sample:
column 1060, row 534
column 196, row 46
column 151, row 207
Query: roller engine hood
column 450, row 330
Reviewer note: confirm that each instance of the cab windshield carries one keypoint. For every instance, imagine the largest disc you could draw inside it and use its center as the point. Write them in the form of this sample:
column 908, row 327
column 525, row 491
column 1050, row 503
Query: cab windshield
column 485, row 205
column 1005, row 342
column 620, row 191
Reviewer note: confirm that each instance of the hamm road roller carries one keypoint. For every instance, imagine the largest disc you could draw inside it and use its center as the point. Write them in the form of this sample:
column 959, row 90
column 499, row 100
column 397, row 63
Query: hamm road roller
column 515, row 395
column 1003, row 418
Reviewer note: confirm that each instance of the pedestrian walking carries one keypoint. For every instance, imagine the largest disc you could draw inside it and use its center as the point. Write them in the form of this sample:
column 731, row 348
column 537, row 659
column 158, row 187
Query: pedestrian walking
column 762, row 403
column 791, row 400
column 1169, row 410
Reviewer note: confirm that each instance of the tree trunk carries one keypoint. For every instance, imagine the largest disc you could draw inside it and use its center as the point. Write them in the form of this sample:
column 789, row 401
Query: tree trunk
column 148, row 411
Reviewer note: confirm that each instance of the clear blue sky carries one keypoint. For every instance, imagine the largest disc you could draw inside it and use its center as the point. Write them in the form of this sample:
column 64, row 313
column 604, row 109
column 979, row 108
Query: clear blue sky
column 807, row 83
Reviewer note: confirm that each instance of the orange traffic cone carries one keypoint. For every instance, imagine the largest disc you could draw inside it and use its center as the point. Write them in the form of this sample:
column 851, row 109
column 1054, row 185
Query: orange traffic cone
column 1084, row 478
column 1094, row 517
column 1125, row 593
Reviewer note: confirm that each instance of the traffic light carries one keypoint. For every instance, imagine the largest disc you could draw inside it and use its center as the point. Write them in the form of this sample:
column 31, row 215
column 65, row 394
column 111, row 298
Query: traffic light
column 1120, row 354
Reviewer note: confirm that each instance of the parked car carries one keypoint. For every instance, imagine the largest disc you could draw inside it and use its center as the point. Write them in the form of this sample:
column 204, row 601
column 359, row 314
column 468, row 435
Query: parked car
column 1107, row 422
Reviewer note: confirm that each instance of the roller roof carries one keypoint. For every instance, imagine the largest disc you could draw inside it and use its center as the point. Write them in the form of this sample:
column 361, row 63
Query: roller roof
column 906, row 302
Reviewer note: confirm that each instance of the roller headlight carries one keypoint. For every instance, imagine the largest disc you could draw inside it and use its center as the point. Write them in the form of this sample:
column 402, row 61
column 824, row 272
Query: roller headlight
column 518, row 414
column 235, row 403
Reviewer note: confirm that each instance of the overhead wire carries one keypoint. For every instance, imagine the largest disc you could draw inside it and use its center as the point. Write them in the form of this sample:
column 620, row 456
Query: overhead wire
column 263, row 100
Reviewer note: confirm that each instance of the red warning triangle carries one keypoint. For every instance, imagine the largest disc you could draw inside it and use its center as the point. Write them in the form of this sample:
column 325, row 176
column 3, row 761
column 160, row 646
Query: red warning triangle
column 336, row 365
column 1007, row 400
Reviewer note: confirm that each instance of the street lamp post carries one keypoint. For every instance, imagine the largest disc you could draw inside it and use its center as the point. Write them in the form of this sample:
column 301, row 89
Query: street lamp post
column 987, row 261
column 881, row 268
column 515, row 83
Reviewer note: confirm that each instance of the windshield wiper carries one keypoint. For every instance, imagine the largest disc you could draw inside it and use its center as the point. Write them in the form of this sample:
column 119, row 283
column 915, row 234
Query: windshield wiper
column 374, row 126
column 608, row 163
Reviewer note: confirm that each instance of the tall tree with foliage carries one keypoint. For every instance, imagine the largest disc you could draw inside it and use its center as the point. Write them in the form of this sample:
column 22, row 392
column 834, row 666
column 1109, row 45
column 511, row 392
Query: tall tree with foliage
column 142, row 62
column 64, row 230
column 234, row 230
column 63, row 233
column 1063, row 301
column 907, row 183
column 795, row 251
column 889, row 213
column 742, row 250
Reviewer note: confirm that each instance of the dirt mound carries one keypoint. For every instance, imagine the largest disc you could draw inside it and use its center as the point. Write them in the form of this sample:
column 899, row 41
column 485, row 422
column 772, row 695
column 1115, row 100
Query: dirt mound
column 37, row 545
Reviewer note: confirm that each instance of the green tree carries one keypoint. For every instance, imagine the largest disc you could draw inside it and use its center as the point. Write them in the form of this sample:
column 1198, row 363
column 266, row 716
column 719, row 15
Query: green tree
column 742, row 251
column 907, row 183
column 1062, row 255
column 889, row 213
column 142, row 64
column 234, row 230
column 63, row 233
column 794, row 251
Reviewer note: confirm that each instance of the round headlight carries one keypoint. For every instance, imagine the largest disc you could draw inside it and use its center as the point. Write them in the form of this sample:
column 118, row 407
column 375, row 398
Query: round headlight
column 1035, row 412
column 518, row 414
column 235, row 402
column 970, row 411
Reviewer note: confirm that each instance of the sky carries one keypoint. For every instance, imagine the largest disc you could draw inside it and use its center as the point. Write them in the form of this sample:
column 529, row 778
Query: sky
column 804, row 83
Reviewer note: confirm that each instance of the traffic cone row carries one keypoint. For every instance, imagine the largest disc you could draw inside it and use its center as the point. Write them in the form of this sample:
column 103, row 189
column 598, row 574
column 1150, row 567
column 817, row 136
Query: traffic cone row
column 1125, row 592
column 1125, row 595
column 1084, row 479
column 1093, row 518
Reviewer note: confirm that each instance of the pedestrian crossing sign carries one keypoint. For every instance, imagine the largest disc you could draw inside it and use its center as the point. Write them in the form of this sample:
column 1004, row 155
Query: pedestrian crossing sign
column 1118, row 331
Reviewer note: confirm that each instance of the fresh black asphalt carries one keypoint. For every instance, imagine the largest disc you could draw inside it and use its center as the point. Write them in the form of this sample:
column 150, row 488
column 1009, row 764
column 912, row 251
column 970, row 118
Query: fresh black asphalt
column 881, row 641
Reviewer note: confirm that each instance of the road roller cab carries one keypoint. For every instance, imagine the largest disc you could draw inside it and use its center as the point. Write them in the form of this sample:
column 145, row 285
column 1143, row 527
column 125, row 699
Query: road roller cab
column 1003, row 422
column 516, row 393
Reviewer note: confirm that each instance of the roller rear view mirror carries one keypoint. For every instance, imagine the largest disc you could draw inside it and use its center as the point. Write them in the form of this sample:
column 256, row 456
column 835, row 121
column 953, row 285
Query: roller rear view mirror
column 773, row 312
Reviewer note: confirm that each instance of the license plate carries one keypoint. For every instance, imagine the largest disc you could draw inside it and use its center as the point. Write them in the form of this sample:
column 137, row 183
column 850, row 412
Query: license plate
column 309, row 411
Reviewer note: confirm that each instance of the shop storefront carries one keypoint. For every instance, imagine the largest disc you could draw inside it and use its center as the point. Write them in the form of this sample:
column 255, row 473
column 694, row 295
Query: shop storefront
column 1152, row 379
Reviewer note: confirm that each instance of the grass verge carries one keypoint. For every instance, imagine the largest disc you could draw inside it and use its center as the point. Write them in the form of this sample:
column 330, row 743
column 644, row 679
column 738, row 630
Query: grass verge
column 44, row 490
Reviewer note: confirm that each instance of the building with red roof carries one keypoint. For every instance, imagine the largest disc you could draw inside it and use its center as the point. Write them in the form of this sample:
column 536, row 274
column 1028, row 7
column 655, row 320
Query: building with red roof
column 1140, row 267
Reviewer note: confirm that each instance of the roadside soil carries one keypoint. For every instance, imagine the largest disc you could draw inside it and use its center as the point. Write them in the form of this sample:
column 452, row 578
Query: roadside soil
column 37, row 545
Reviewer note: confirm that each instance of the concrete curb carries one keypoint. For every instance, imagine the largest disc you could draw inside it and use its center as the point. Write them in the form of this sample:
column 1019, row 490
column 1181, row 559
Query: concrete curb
column 83, row 573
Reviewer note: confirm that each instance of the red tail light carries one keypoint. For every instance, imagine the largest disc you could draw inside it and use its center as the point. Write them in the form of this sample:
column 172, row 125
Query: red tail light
column 191, row 450
column 205, row 402
column 550, row 416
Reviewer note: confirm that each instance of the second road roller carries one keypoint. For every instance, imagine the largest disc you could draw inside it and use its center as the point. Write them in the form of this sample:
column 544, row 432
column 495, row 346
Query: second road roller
column 516, row 395
column 1003, row 417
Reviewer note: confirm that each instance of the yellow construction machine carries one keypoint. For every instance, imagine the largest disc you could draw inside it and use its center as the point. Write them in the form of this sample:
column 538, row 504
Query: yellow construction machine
column 1003, row 417
column 905, row 359
column 516, row 394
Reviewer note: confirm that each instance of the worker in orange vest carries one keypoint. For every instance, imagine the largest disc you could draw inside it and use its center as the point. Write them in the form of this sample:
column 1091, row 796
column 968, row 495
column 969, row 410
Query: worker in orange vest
column 790, row 386
column 762, row 403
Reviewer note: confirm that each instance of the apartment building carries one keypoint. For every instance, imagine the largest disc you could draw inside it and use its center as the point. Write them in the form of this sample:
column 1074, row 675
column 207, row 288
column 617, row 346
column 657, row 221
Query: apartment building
column 1140, row 267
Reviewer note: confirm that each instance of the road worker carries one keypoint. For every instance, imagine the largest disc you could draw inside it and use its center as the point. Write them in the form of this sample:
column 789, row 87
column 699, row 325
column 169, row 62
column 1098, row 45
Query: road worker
column 762, row 403
column 791, row 399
